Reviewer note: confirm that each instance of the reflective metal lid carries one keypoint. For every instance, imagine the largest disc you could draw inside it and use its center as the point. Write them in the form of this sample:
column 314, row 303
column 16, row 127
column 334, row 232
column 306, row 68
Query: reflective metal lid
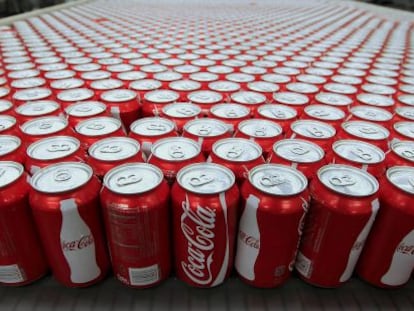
column 290, row 98
column 9, row 172
column 206, row 127
column 32, row 94
column 277, row 179
column 313, row 129
column 184, row 85
column 404, row 149
column 74, row 95
column 333, row 99
column 5, row 105
column 406, row 99
column 106, row 84
column 67, row 84
column 133, row 178
column 118, row 96
column 132, row 75
column 98, row 126
column 224, row 86
column 366, row 130
column 6, row 122
column 205, row 97
column 378, row 89
column 262, row 87
column 61, row 177
column 405, row 128
column 303, row 88
column 37, row 108
column 175, row 149
column 375, row 100
column 406, row 112
column 96, row 75
column 371, row 113
column 348, row 180
column 204, row 76
column 402, row 177
column 85, row 109
column 260, row 128
column 237, row 149
column 9, row 144
column 161, row 96
column 205, row 178
column 181, row 110
column 325, row 112
column 277, row 112
column 114, row 149
column 248, row 98
column 230, row 111
column 153, row 126
column 51, row 148
column 145, row 85
column 28, row 83
column 44, row 125
column 275, row 78
column 358, row 151
column 298, row 150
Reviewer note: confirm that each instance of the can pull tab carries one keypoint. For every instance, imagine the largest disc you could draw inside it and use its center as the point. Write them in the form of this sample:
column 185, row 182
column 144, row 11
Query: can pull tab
column 299, row 150
column 2, row 126
column 201, row 180
column 128, row 180
column 344, row 180
column 362, row 154
column 371, row 114
column 58, row 147
column 95, row 126
column 45, row 125
column 368, row 130
column 231, row 113
column 111, row 149
column 314, row 131
column 260, row 131
column 278, row 113
column 271, row 180
column 408, row 153
column 121, row 95
column 205, row 130
column 176, row 152
column 83, row 109
column 156, row 127
column 320, row 113
column 250, row 99
column 38, row 108
column 185, row 111
column 62, row 175
column 234, row 152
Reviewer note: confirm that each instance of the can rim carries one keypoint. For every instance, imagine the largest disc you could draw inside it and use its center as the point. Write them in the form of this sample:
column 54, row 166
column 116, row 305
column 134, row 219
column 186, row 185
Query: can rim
column 169, row 139
column 285, row 141
column 26, row 124
column 345, row 141
column 396, row 143
column 30, row 149
column 244, row 141
column 83, row 122
column 17, row 165
column 383, row 129
column 397, row 168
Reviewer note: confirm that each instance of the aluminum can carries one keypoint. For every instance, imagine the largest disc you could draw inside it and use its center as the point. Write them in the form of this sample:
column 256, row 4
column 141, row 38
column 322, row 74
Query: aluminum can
column 72, row 96
column 145, row 85
column 6, row 107
column 265, row 88
column 205, row 202
column 371, row 114
column 26, row 95
column 275, row 201
column 180, row 113
column 205, row 99
column 12, row 149
column 343, row 209
column 154, row 101
column 251, row 100
column 230, row 113
column 37, row 109
column 404, row 114
column 109, row 152
column 401, row 153
column 8, row 125
column 135, row 203
column 224, row 88
column 300, row 154
column 79, row 112
column 21, row 259
column 342, row 102
column 324, row 113
column 405, row 101
column 294, row 100
column 375, row 100
column 66, row 84
column 403, row 130
column 53, row 150
column 43, row 127
column 281, row 114
column 184, row 87
column 317, row 132
column 388, row 257
column 65, row 204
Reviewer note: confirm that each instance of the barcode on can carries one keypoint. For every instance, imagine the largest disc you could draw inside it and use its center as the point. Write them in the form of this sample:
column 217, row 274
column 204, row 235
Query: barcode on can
column 10, row 274
column 303, row 265
column 144, row 276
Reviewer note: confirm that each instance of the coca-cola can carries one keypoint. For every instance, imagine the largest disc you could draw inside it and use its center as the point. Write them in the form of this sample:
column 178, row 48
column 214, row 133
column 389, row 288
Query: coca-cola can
column 317, row 132
column 12, row 149
column 79, row 112
column 154, row 101
column 21, row 260
column 43, row 127
column 343, row 209
column 109, row 152
column 69, row 97
column 281, row 114
column 405, row 101
column 404, row 114
column 205, row 99
column 181, row 113
column 375, row 100
column 275, row 201
column 294, row 100
column 66, row 84
column 135, row 203
column 401, row 153
column 205, row 202
column 8, row 125
column 359, row 154
column 37, row 109
column 65, row 203
column 225, row 88
column 388, row 257
column 230, row 113
column 53, row 150
column 403, row 130
column 342, row 102
column 300, row 154
column 32, row 94
column 265, row 88
column 27, row 83
column 173, row 153
column 372, row 114
column 324, row 113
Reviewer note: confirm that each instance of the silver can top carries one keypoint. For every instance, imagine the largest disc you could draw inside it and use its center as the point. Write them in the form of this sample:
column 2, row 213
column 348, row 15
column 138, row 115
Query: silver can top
column 404, row 149
column 290, row 98
column 405, row 128
column 51, row 148
column 85, row 109
column 37, row 108
column 184, row 85
column 333, row 99
column 278, row 180
column 175, row 149
column 406, row 99
column 6, row 122
column 230, row 111
column 205, row 97
column 153, row 126
column 277, row 112
column 248, row 98
column 133, row 178
column 224, row 86
column 114, row 149
column 5, row 105
column 348, row 180
column 205, row 178
column 325, row 112
column 28, row 83
column 118, row 96
column 405, row 112
column 44, row 125
column 75, row 95
column 9, row 172
column 145, row 85
column 106, row 84
column 206, row 127
column 402, row 177
column 371, row 113
column 298, row 150
column 375, row 100
column 181, row 110
column 37, row 93
column 67, row 84
column 131, row 75
column 302, row 88
column 358, row 151
column 262, row 87
column 260, row 128
column 366, row 130
column 161, row 96
column 237, row 149
column 313, row 129
column 98, row 126
column 9, row 144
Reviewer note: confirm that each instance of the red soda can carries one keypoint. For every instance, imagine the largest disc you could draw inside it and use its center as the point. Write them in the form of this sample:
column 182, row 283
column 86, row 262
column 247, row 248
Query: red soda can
column 43, row 127
column 205, row 204
column 275, row 202
column 369, row 113
column 237, row 154
column 184, row 87
column 12, row 149
column 388, row 258
column 53, row 150
column 22, row 260
column 65, row 204
column 143, row 86
column 360, row 154
column 90, row 76
column 366, row 131
column 37, row 109
column 280, row 80
column 59, row 74
column 378, row 89
column 342, row 102
column 109, row 152
column 225, row 88
column 94, row 129
column 281, row 114
column 206, row 132
column 173, row 153
column 375, row 100
column 263, row 132
column 135, row 203
column 294, row 100
column 265, row 88
column 401, row 154
column 205, row 99
column 181, row 113
column 229, row 113
column 154, row 101
column 324, row 113
column 68, row 97
column 123, row 105
column 251, row 100
column 317, row 132
column 404, row 114
column 300, row 154
column 403, row 130
column 8, row 125
column 79, row 112
column 342, row 197
column 27, row 95
column 66, row 84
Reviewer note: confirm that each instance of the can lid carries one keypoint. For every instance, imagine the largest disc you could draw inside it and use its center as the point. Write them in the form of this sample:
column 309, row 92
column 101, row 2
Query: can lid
column 340, row 88
column 61, row 177
column 371, row 113
column 313, row 129
column 5, row 105
column 298, row 150
column 260, row 128
column 161, row 96
column 366, row 130
column 175, row 149
column 133, row 178
column 275, row 78
column 405, row 128
column 153, row 126
column 28, row 83
column 262, row 87
column 98, row 126
column 37, row 108
column 224, row 86
column 348, row 180
column 67, row 84
column 230, row 111
column 333, row 99
column 118, row 96
column 52, row 148
column 325, row 112
column 248, row 98
column 277, row 112
column 9, row 144
column 204, row 97
column 402, row 177
column 114, row 149
column 85, row 109
column 184, row 85
column 375, row 100
column 206, row 127
column 290, row 98
column 406, row 112
column 9, row 172
column 168, row 76
column 205, row 178
column 404, row 149
column 378, row 89
column 44, row 125
column 237, row 149
column 131, row 75
column 32, row 94
column 358, row 151
column 204, row 76
column 6, row 122
column 181, row 110
column 106, row 84
column 145, row 85
column 96, row 75
column 301, row 87
column 277, row 179
column 74, row 95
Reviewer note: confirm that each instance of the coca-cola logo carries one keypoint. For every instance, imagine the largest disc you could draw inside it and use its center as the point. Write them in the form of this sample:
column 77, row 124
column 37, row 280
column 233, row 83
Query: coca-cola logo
column 405, row 249
column 301, row 225
column 198, row 228
column 249, row 240
column 75, row 245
